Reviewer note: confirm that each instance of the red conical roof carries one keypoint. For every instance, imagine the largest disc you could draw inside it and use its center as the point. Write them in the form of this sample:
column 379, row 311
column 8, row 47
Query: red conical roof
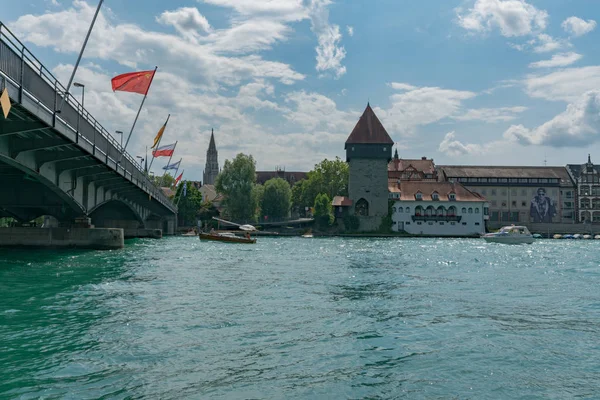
column 368, row 129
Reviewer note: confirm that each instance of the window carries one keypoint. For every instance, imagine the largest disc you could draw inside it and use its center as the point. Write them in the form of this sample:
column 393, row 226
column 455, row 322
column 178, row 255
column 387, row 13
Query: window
column 569, row 195
column 494, row 203
column 362, row 208
column 419, row 223
column 504, row 193
column 493, row 180
column 441, row 223
column 476, row 210
column 430, row 223
column 400, row 209
column 452, row 196
column 464, row 223
column 476, row 223
column 493, row 192
column 514, row 203
column 470, row 210
column 407, row 223
column 352, row 148
column 513, row 192
column 408, row 209
column 394, row 209
column 452, row 223
column 464, row 210
column 524, row 192
column 385, row 149
column 435, row 196
column 483, row 192
column 419, row 196
column 523, row 204
column 503, row 204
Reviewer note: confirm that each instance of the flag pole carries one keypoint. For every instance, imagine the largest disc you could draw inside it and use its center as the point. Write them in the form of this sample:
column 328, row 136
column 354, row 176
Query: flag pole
column 180, row 194
column 62, row 103
column 168, row 163
column 158, row 144
column 136, row 117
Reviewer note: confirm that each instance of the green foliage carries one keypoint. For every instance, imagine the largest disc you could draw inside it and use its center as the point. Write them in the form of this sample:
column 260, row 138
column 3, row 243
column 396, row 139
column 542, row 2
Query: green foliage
column 276, row 198
column 258, row 192
column 323, row 210
column 160, row 181
column 236, row 183
column 329, row 177
column 351, row 223
column 386, row 222
column 189, row 205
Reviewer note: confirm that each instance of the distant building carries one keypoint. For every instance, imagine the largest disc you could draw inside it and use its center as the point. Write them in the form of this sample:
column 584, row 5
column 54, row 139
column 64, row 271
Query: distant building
column 519, row 194
column 208, row 192
column 437, row 208
column 587, row 193
column 290, row 177
column 368, row 152
column 211, row 170
column 410, row 170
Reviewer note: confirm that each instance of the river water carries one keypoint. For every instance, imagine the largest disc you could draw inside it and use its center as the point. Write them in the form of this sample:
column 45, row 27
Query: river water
column 301, row 318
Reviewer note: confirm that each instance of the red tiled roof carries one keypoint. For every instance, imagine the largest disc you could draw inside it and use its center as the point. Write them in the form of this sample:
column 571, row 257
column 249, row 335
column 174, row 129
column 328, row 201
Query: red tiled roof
column 409, row 189
column 341, row 201
column 368, row 129
column 401, row 164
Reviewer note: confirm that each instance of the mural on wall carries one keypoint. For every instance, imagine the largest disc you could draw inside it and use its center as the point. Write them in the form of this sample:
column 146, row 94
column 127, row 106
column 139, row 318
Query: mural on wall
column 542, row 207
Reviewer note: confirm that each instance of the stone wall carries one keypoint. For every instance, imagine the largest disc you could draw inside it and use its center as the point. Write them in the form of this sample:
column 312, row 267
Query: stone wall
column 368, row 180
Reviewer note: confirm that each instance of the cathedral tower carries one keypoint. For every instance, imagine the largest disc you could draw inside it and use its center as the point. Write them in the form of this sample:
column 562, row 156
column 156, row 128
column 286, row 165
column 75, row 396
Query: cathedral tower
column 368, row 152
column 211, row 170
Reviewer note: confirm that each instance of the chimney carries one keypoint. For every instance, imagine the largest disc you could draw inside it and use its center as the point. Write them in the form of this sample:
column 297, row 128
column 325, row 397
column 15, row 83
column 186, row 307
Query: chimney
column 424, row 158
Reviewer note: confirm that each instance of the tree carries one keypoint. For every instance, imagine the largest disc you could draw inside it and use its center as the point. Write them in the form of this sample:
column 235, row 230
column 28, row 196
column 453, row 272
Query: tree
column 189, row 205
column 323, row 210
column 160, row 181
column 236, row 183
column 276, row 199
column 329, row 177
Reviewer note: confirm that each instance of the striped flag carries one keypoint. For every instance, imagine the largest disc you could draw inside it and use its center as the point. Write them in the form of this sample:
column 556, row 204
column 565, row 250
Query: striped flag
column 164, row 151
column 185, row 189
column 174, row 166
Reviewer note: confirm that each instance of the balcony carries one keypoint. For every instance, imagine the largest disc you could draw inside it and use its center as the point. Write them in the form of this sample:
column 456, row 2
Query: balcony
column 443, row 218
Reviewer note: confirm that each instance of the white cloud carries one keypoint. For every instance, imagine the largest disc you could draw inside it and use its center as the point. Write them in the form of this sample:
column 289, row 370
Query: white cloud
column 546, row 43
column 134, row 47
column 455, row 148
column 566, row 85
column 512, row 17
column 557, row 60
column 420, row 106
column 491, row 115
column 578, row 27
column 186, row 20
column 350, row 30
column 577, row 126
column 329, row 52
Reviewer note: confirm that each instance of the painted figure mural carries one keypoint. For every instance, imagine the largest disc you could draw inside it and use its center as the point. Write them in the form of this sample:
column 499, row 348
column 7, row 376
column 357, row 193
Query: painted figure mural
column 542, row 207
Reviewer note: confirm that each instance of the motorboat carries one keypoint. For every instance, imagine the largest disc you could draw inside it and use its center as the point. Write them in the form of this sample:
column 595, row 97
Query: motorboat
column 557, row 236
column 229, row 237
column 587, row 237
column 510, row 235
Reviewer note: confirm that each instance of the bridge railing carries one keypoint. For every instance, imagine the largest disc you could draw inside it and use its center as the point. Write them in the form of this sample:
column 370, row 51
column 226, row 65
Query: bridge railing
column 34, row 80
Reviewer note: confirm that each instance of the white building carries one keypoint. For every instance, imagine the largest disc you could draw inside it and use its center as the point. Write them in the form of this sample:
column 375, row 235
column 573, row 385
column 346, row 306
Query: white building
column 437, row 209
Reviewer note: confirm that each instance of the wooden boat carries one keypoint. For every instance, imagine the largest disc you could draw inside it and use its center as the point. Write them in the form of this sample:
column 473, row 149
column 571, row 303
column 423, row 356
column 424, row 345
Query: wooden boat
column 226, row 237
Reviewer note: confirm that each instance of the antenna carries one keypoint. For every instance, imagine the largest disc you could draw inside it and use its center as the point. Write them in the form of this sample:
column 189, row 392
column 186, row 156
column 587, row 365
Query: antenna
column 545, row 161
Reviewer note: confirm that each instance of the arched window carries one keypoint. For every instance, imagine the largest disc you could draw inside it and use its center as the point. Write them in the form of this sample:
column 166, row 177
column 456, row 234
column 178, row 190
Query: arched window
column 419, row 211
column 441, row 211
column 476, row 210
column 586, row 216
column 585, row 203
column 362, row 208
column 464, row 210
column 452, row 211
column 435, row 196
column 430, row 211
column 407, row 209
column 596, row 216
column 596, row 203
column 394, row 209
column 470, row 210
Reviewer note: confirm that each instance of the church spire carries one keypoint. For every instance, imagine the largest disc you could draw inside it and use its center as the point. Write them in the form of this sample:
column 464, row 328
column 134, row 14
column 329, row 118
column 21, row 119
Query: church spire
column 212, row 146
column 211, row 169
column 396, row 154
column 589, row 159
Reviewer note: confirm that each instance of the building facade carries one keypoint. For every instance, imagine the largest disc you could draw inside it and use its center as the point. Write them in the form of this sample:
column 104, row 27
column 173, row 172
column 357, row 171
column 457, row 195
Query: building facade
column 422, row 169
column 211, row 170
column 290, row 176
column 368, row 152
column 587, row 190
column 437, row 209
column 519, row 194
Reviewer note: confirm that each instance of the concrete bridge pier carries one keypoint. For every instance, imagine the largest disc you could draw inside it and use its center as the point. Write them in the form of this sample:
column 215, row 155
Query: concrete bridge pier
column 92, row 238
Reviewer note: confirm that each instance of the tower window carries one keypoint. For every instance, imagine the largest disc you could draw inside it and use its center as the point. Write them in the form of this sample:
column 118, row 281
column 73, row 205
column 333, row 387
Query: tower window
column 362, row 208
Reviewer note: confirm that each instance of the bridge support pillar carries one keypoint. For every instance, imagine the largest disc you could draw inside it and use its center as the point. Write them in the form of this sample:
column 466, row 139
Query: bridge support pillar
column 143, row 233
column 85, row 238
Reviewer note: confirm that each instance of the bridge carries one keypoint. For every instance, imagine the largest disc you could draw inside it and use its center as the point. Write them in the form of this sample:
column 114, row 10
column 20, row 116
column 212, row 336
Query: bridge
column 63, row 163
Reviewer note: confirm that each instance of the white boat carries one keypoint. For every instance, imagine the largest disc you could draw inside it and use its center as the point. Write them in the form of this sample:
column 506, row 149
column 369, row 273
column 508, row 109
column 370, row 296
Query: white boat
column 587, row 237
column 510, row 235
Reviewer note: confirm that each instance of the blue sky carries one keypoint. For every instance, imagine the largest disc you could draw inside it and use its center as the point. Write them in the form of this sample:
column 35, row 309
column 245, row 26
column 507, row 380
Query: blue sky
column 463, row 81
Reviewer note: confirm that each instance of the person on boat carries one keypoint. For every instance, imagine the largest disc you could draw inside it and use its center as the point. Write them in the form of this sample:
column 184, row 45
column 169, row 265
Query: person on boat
column 212, row 231
column 247, row 235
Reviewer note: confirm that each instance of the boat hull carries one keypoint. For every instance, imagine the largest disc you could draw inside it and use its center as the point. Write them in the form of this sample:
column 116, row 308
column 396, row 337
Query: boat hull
column 228, row 239
column 509, row 240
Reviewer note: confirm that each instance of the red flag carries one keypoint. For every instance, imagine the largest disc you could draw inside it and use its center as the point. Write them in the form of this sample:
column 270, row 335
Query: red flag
column 136, row 82
column 164, row 151
column 178, row 178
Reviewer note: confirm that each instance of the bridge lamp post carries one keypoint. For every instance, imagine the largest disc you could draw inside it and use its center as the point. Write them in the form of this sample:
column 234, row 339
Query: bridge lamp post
column 120, row 133
column 142, row 159
column 82, row 86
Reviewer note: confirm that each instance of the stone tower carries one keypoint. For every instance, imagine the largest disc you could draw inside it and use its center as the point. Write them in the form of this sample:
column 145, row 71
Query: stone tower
column 368, row 152
column 211, row 170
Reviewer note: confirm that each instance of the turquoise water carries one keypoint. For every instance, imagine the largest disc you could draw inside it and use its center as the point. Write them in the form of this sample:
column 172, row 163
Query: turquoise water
column 302, row 318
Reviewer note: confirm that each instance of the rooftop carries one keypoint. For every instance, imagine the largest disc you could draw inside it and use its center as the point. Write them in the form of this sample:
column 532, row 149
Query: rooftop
column 409, row 189
column 341, row 201
column 369, row 130
column 479, row 171
column 423, row 165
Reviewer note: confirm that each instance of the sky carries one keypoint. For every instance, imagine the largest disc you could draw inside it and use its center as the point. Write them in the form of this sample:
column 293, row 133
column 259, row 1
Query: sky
column 489, row 82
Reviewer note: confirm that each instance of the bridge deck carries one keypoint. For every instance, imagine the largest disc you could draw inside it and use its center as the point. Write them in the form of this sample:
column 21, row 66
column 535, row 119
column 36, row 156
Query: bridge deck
column 71, row 136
